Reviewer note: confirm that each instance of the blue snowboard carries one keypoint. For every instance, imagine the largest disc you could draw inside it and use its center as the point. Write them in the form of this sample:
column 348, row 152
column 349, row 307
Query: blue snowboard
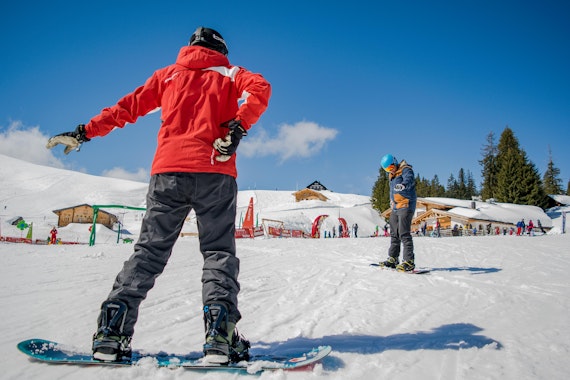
column 55, row 353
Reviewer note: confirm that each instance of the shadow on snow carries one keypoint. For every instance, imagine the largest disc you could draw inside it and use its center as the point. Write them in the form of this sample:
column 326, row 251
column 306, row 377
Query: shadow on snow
column 473, row 270
column 447, row 337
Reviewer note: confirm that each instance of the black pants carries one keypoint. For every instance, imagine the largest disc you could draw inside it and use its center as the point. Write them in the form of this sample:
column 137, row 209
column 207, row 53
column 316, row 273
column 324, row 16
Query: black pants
column 400, row 233
column 170, row 199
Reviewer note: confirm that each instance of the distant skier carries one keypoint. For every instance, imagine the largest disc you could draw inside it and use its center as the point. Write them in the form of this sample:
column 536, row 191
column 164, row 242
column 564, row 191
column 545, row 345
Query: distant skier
column 539, row 224
column 403, row 203
column 207, row 106
column 519, row 227
column 53, row 235
column 530, row 228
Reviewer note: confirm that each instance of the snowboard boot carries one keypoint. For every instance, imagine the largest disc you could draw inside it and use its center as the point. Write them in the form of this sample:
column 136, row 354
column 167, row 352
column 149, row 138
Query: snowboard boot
column 391, row 262
column 223, row 343
column 109, row 342
column 406, row 266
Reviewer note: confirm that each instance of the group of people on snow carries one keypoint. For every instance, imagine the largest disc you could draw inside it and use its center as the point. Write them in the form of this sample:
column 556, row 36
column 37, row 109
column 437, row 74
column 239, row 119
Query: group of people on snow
column 352, row 232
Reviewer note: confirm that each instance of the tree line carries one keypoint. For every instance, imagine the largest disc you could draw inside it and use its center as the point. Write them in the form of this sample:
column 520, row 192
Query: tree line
column 508, row 176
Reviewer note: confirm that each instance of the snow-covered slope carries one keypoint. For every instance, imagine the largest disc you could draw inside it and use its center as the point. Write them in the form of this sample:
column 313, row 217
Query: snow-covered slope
column 493, row 307
column 33, row 192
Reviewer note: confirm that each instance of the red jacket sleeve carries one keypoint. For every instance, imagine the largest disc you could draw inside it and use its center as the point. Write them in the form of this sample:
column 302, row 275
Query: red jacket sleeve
column 255, row 93
column 127, row 110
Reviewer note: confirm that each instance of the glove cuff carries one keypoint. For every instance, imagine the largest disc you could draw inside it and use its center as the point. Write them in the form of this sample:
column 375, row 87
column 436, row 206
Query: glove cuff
column 80, row 134
column 243, row 131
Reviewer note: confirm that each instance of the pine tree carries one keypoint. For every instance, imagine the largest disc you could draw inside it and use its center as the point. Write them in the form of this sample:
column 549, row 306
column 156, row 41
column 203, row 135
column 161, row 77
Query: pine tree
column 518, row 180
column 381, row 192
column 461, row 188
column 508, row 190
column 437, row 189
column 568, row 188
column 471, row 187
column 461, row 185
column 551, row 180
column 422, row 187
column 533, row 189
column 452, row 190
column 490, row 169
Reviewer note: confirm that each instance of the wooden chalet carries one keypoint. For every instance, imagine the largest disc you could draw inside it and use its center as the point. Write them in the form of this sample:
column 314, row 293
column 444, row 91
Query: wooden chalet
column 83, row 214
column 308, row 194
column 316, row 185
column 311, row 192
column 451, row 214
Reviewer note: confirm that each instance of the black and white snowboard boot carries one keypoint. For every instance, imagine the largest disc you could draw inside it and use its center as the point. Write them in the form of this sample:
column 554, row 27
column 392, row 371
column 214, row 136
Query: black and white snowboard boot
column 223, row 343
column 109, row 342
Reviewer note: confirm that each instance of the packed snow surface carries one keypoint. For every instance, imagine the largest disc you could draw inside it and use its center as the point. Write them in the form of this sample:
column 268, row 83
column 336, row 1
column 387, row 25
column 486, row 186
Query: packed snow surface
column 493, row 307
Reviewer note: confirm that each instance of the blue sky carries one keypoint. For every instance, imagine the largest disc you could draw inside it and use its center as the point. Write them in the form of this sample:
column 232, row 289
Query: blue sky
column 424, row 80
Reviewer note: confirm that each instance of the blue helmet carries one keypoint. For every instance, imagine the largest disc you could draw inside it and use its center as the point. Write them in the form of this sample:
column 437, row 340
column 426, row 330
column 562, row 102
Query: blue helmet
column 388, row 162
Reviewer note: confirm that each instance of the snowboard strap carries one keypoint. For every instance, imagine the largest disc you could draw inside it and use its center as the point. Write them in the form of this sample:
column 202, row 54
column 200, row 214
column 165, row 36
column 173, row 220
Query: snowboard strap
column 216, row 320
column 112, row 317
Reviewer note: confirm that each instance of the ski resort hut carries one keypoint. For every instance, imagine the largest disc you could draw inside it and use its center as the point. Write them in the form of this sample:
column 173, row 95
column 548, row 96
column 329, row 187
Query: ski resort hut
column 308, row 194
column 316, row 185
column 467, row 215
column 311, row 192
column 83, row 214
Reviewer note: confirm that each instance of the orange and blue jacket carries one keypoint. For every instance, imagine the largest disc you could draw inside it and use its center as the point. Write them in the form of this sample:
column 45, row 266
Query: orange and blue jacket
column 406, row 198
column 195, row 95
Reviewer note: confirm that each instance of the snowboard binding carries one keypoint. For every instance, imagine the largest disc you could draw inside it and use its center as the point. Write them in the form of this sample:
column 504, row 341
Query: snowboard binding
column 109, row 342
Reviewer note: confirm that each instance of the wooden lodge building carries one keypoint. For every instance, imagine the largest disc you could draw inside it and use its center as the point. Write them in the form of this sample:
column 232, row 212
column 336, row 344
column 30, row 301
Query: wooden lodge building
column 461, row 214
column 311, row 192
column 83, row 214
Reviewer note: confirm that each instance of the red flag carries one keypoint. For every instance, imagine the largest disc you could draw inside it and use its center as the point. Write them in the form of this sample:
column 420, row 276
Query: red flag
column 248, row 221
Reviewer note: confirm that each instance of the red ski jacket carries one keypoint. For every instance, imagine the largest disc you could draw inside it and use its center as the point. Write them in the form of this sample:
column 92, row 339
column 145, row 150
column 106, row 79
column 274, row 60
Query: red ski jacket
column 196, row 95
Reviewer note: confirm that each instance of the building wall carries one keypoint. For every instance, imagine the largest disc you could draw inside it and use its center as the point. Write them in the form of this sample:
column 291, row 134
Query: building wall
column 84, row 214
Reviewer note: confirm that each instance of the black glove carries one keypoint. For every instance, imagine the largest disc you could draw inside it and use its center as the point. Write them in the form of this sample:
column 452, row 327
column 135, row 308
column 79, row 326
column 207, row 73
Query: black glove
column 228, row 145
column 71, row 140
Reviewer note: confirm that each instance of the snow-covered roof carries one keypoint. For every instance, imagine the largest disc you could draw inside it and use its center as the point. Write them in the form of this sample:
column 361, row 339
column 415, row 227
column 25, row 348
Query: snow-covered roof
column 562, row 199
column 493, row 211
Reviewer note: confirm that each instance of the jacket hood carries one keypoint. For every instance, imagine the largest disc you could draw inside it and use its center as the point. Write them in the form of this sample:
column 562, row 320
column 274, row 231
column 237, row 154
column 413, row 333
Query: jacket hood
column 401, row 166
column 199, row 57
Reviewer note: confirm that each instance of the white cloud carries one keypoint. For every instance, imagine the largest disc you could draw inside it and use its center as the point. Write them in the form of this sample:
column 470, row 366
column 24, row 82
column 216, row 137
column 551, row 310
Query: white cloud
column 302, row 139
column 27, row 144
column 141, row 175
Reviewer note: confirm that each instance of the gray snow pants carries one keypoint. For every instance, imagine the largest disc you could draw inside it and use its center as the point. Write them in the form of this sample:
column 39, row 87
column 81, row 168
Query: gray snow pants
column 400, row 233
column 170, row 198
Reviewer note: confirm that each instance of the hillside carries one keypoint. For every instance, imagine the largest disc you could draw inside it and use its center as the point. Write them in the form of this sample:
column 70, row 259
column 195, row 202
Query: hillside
column 33, row 192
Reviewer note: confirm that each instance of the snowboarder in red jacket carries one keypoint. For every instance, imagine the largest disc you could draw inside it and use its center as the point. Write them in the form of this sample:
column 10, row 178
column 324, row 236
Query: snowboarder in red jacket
column 207, row 106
